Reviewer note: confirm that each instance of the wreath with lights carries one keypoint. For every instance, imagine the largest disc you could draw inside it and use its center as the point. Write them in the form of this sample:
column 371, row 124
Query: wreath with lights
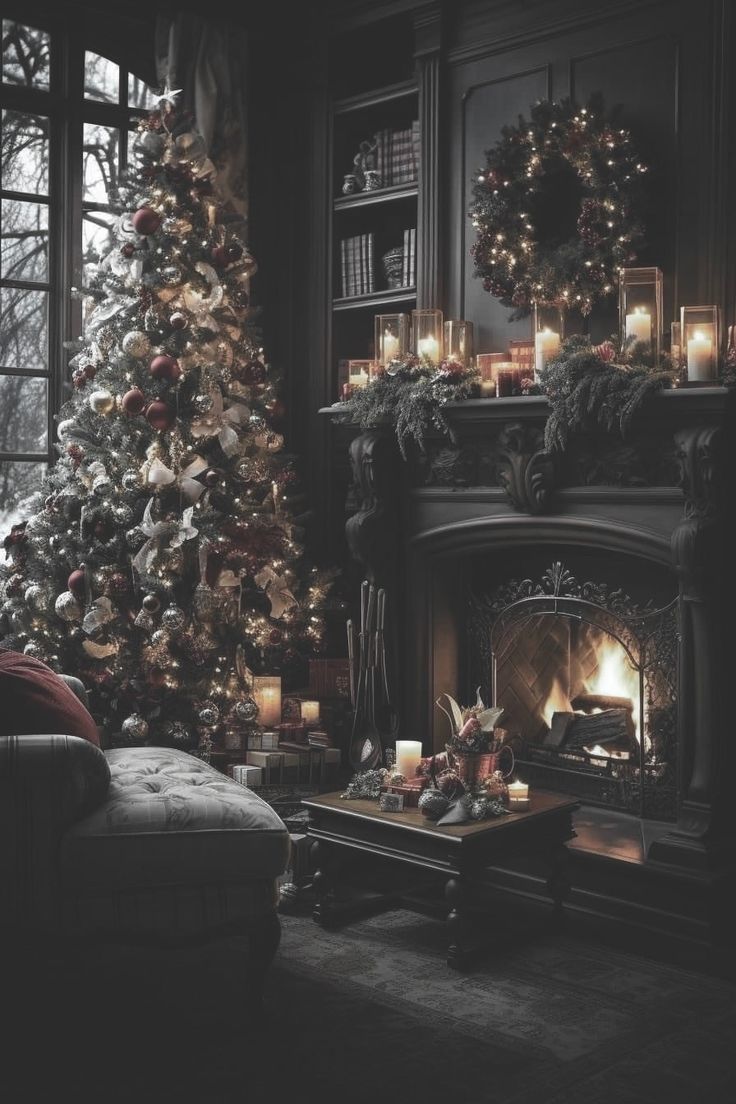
column 516, row 262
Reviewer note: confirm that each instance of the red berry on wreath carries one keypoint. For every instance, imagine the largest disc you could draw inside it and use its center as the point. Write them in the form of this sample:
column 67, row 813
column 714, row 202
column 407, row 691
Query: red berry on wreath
column 76, row 582
column 146, row 221
column 165, row 367
column 133, row 401
column 159, row 415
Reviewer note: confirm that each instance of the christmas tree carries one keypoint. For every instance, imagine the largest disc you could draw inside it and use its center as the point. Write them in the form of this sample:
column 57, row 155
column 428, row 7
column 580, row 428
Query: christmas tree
column 161, row 562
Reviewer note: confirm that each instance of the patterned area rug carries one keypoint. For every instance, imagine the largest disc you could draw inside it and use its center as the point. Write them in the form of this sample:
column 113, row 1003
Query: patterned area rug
column 370, row 1013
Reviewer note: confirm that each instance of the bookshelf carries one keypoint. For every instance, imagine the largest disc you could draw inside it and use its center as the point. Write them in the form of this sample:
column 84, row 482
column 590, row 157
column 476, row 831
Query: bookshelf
column 373, row 229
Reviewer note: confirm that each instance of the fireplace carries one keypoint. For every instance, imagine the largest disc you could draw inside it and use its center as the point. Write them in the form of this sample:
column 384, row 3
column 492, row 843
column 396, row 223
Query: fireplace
column 587, row 678
column 589, row 594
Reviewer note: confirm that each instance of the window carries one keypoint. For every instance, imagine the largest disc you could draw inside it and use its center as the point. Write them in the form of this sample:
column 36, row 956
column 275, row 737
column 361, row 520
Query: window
column 64, row 153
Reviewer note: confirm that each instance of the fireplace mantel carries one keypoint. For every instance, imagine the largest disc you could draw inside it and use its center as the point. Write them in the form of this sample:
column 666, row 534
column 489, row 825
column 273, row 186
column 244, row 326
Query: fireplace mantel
column 664, row 496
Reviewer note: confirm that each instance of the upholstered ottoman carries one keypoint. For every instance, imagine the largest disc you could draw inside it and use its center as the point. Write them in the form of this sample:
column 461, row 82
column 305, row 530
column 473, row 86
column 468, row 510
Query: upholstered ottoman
column 141, row 843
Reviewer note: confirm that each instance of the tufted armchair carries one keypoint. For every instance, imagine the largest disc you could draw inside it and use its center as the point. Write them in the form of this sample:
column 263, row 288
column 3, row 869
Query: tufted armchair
column 135, row 843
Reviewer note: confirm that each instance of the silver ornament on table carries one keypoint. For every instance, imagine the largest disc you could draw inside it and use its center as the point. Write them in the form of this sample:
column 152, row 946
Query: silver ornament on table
column 208, row 713
column 122, row 514
column 101, row 401
column 144, row 621
column 433, row 803
column 135, row 727
column 67, row 607
column 136, row 343
column 479, row 809
column 245, row 710
column 173, row 618
column 135, row 539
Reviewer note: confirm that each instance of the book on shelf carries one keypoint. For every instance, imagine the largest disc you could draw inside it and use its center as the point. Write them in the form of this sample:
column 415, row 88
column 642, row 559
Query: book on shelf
column 397, row 154
column 409, row 267
column 356, row 260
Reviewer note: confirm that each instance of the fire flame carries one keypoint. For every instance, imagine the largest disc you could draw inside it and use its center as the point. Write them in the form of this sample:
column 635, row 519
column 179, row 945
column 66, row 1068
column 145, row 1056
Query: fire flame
column 557, row 702
column 616, row 676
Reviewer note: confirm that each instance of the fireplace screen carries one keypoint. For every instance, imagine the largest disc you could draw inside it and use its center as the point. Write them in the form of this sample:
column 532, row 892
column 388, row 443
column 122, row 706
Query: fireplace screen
column 588, row 683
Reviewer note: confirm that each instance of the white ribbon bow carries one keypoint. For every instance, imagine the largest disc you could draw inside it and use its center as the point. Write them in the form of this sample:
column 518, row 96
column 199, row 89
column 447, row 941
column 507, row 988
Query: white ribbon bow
column 201, row 304
column 220, row 422
column 277, row 591
column 158, row 475
column 99, row 614
column 157, row 532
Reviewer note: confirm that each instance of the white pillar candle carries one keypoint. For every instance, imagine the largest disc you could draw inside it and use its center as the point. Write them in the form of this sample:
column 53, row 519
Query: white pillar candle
column 488, row 388
column 267, row 696
column 408, row 756
column 310, row 712
column 546, row 346
column 390, row 347
column 639, row 325
column 518, row 795
column 700, row 357
column 428, row 347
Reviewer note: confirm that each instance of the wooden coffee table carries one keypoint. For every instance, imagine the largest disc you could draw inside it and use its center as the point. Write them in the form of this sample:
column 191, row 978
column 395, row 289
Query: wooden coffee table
column 460, row 853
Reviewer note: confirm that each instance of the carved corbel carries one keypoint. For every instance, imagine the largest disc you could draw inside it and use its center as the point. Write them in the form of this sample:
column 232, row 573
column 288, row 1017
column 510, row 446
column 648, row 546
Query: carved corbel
column 370, row 532
column 525, row 468
column 696, row 539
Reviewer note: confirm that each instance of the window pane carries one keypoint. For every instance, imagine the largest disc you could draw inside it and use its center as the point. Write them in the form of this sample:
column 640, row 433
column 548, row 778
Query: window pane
column 100, row 161
column 140, row 94
column 24, row 240
column 23, row 328
column 23, row 414
column 18, row 480
column 26, row 53
column 101, row 78
column 96, row 239
column 25, row 152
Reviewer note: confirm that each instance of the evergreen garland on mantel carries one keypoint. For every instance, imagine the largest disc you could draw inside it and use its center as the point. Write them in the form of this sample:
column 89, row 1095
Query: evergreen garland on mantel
column 588, row 387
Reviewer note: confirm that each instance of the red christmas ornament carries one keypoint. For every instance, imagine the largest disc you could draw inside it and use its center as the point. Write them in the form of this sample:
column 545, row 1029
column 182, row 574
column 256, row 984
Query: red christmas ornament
column 159, row 415
column 146, row 221
column 128, row 249
column 254, row 372
column 79, row 378
column 276, row 636
column 233, row 252
column 133, row 401
column 118, row 585
column 219, row 256
column 276, row 409
column 178, row 321
column 165, row 367
column 101, row 529
column 75, row 582
column 90, row 371
column 75, row 454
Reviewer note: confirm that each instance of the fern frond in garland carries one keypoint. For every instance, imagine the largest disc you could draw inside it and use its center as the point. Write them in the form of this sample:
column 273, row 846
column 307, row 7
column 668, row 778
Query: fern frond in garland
column 600, row 386
column 410, row 395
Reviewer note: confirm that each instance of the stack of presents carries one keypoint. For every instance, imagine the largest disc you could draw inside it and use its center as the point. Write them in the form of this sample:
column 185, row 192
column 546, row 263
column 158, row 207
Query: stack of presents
column 298, row 737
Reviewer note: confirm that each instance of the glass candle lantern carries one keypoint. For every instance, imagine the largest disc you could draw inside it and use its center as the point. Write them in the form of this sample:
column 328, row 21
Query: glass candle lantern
column 700, row 329
column 391, row 337
column 640, row 308
column 267, row 696
column 548, row 331
column 459, row 341
column 426, row 334
column 676, row 345
column 310, row 712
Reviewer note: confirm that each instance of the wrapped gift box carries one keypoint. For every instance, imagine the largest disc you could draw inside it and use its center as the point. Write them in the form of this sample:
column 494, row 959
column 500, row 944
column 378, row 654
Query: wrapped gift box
column 251, row 777
column 411, row 790
column 269, row 739
column 275, row 764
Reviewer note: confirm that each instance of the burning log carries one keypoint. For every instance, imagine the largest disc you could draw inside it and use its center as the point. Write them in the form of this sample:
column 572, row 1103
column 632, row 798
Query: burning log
column 576, row 731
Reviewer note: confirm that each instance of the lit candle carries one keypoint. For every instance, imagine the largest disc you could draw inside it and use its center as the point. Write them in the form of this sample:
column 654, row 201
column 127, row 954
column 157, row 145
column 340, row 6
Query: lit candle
column 700, row 364
column 428, row 347
column 408, row 756
column 639, row 325
column 310, row 712
column 488, row 388
column 390, row 347
column 518, row 796
column 546, row 346
column 267, row 696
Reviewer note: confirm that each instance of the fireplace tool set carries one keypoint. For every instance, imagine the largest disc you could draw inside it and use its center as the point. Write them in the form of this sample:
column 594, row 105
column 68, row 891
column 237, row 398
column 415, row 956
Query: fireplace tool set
column 375, row 720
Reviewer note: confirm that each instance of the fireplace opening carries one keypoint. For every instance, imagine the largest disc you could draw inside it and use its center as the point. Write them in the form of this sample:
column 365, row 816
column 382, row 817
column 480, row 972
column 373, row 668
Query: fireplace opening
column 587, row 677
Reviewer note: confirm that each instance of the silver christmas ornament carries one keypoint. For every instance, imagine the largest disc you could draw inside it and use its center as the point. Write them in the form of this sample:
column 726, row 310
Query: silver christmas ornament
column 67, row 607
column 135, row 539
column 208, row 713
column 136, row 344
column 160, row 637
column 171, row 275
column 173, row 619
column 131, row 479
column 245, row 710
column 202, row 403
column 37, row 598
column 101, row 483
column 136, row 727
column 122, row 514
column 144, row 621
column 101, row 401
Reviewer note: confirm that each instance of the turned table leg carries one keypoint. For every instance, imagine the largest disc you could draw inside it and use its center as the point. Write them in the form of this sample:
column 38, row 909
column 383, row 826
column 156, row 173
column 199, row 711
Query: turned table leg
column 458, row 949
column 328, row 862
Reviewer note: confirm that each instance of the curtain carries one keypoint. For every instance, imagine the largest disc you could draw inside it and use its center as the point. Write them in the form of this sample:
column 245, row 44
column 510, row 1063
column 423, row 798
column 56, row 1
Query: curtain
column 207, row 61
